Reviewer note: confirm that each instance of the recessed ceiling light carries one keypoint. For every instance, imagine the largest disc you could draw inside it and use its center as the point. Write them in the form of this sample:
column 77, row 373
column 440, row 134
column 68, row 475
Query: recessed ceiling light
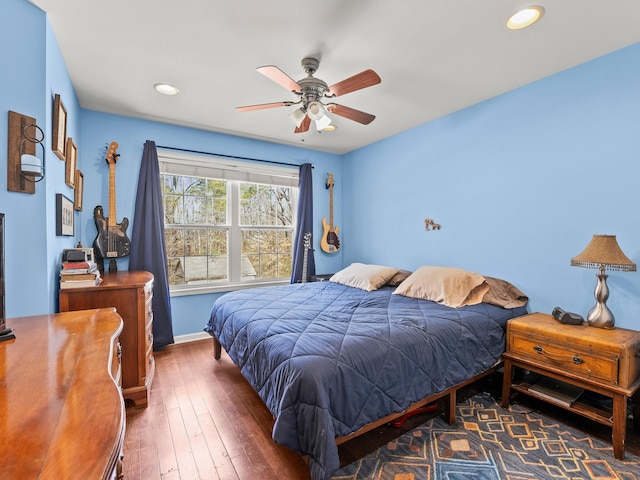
column 525, row 17
column 166, row 89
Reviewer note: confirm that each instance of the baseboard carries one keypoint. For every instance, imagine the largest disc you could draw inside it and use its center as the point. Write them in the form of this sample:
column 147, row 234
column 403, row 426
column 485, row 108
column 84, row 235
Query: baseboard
column 191, row 337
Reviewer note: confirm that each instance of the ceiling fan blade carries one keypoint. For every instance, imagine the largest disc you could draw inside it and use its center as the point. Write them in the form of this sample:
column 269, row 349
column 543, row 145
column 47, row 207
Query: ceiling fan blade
column 251, row 108
column 351, row 113
column 359, row 81
column 304, row 126
column 274, row 73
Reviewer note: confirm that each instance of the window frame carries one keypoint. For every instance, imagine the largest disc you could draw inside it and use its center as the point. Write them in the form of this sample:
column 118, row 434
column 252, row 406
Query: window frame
column 234, row 171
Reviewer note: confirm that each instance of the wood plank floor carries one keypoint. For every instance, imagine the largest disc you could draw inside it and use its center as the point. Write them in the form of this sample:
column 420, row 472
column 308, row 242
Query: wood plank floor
column 204, row 422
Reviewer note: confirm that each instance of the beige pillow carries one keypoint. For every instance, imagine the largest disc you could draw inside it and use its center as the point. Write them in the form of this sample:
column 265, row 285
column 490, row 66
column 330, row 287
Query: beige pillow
column 450, row 286
column 398, row 278
column 364, row 276
column 504, row 294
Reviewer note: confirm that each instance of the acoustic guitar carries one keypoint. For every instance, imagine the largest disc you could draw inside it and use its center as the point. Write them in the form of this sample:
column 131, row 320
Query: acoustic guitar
column 112, row 241
column 305, row 258
column 329, row 242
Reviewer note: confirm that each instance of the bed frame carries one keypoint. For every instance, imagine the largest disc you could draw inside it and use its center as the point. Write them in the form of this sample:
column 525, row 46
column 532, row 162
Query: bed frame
column 419, row 406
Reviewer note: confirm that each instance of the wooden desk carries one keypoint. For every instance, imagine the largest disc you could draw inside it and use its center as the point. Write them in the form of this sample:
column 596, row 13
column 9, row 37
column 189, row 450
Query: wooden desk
column 61, row 410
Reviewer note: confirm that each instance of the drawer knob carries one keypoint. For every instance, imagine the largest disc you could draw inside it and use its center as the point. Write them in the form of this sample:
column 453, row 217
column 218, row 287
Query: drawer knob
column 539, row 349
column 577, row 360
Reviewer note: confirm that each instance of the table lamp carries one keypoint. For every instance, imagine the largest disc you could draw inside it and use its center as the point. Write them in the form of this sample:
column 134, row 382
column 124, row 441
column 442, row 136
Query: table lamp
column 603, row 253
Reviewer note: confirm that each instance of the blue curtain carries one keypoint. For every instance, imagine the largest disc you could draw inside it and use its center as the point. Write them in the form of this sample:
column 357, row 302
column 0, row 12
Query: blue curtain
column 304, row 225
column 148, row 249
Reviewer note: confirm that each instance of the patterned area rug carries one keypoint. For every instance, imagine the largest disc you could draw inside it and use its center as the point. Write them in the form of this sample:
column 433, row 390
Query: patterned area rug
column 489, row 442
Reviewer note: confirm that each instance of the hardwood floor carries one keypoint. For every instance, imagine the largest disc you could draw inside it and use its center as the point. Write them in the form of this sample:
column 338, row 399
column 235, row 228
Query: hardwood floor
column 204, row 421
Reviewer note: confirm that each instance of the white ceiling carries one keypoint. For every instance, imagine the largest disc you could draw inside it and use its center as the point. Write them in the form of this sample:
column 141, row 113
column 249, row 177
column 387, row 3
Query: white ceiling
column 434, row 57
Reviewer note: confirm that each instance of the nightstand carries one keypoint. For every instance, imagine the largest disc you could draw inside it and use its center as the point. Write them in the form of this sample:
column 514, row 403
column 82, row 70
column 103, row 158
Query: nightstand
column 604, row 363
column 321, row 277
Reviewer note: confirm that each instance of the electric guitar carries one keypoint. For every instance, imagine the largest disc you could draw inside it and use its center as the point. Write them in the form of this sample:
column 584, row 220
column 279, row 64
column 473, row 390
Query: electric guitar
column 305, row 258
column 329, row 242
column 112, row 241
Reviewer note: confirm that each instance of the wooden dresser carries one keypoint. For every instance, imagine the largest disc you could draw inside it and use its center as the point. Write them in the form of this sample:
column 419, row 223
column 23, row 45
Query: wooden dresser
column 604, row 365
column 61, row 411
column 131, row 293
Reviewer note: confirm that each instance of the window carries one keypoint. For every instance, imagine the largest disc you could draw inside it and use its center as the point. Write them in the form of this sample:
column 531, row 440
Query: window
column 228, row 224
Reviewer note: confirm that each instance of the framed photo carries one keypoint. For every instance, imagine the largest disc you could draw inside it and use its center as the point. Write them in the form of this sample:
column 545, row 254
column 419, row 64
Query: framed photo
column 72, row 158
column 59, row 137
column 79, row 190
column 64, row 215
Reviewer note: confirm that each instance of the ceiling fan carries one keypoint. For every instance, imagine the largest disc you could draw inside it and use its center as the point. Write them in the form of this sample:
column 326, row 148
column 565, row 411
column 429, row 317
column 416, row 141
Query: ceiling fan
column 311, row 91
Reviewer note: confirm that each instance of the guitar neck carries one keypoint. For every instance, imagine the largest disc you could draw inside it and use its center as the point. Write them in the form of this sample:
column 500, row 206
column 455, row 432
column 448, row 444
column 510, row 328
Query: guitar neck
column 304, row 266
column 331, row 208
column 112, row 195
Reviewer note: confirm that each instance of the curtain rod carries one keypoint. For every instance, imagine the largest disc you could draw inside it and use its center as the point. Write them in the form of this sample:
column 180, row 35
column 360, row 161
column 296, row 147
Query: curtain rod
column 229, row 156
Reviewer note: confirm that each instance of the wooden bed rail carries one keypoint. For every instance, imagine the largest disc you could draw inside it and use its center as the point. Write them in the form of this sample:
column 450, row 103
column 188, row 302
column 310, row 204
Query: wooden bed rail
column 449, row 406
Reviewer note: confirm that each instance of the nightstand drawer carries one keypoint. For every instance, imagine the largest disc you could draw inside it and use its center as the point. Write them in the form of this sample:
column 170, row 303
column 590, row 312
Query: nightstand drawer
column 600, row 366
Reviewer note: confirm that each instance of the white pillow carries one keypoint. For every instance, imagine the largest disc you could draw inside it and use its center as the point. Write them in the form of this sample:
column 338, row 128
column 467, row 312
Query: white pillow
column 364, row 276
column 450, row 286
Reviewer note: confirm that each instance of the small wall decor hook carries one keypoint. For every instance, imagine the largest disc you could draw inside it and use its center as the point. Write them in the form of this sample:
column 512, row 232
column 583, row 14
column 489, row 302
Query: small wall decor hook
column 430, row 225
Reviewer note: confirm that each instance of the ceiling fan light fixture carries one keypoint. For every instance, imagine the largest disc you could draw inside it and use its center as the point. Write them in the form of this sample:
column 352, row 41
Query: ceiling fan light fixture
column 166, row 89
column 315, row 110
column 323, row 122
column 330, row 128
column 525, row 17
column 297, row 116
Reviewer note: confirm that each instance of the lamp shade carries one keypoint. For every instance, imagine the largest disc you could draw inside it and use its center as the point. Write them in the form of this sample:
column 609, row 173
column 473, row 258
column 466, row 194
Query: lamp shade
column 297, row 116
column 315, row 110
column 31, row 165
column 323, row 122
column 604, row 252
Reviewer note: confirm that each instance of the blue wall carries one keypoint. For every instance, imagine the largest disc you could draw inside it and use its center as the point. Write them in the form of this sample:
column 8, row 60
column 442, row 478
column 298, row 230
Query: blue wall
column 33, row 72
column 519, row 183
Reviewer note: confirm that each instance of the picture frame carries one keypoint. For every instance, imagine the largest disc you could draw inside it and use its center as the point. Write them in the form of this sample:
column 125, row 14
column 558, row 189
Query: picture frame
column 77, row 203
column 71, row 162
column 64, row 216
column 59, row 136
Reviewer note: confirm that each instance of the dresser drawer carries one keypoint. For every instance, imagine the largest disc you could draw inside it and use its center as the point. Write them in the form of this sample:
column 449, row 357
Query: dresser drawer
column 148, row 292
column 600, row 366
column 149, row 345
column 610, row 357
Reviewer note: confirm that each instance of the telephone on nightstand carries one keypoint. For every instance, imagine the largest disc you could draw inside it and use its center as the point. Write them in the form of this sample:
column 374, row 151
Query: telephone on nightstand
column 568, row 318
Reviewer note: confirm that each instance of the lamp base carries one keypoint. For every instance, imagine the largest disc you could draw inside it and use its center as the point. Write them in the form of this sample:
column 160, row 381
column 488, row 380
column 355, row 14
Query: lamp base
column 600, row 316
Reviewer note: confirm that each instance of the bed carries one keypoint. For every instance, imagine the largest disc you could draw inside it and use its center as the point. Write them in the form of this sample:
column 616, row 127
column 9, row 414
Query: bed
column 330, row 360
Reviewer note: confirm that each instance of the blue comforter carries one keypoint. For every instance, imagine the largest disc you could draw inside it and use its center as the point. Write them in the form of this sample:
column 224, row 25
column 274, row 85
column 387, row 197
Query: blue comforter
column 328, row 359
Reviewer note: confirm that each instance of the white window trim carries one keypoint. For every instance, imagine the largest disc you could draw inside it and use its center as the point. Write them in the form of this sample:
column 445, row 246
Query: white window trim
column 185, row 290
column 211, row 166
column 201, row 166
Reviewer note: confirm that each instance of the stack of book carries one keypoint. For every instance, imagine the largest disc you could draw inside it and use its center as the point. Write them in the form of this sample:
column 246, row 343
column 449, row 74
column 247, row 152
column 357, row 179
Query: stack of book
column 556, row 391
column 79, row 274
